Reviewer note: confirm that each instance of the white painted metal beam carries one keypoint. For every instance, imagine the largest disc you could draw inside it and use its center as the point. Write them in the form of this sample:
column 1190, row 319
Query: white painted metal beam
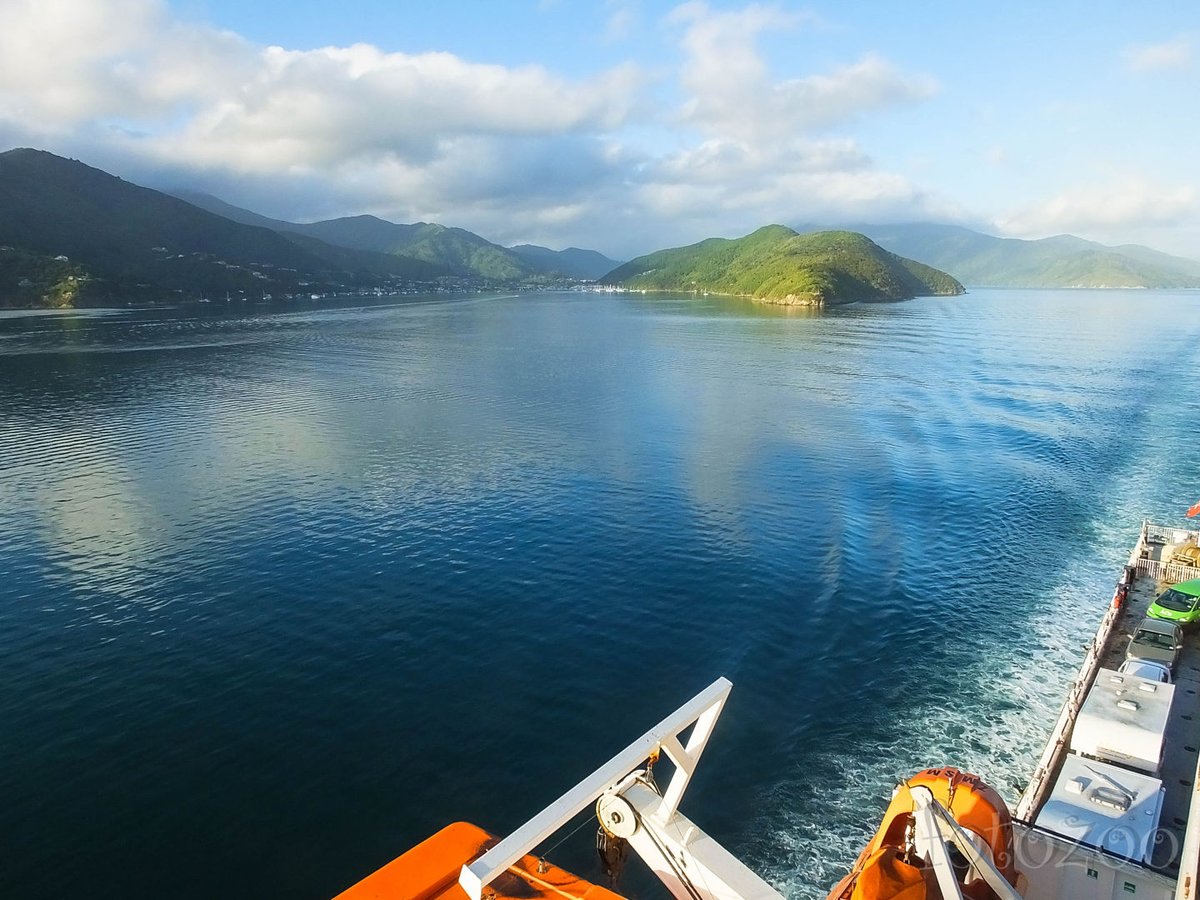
column 946, row 828
column 685, row 759
column 931, row 846
column 704, row 706
column 686, row 860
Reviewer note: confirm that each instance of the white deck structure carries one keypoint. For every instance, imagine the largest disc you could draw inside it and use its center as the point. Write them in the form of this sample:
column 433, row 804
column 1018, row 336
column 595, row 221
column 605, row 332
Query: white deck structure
column 1106, row 807
column 1124, row 721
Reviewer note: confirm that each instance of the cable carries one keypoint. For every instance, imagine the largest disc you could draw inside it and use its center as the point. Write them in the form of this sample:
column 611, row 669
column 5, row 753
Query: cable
column 666, row 854
column 587, row 820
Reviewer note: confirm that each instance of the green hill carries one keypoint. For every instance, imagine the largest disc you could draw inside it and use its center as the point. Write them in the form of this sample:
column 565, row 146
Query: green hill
column 463, row 251
column 777, row 265
column 454, row 250
column 127, row 243
column 983, row 260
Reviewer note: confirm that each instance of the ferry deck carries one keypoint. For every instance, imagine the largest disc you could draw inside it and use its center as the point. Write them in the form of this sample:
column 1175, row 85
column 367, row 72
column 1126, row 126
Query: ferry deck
column 1059, row 868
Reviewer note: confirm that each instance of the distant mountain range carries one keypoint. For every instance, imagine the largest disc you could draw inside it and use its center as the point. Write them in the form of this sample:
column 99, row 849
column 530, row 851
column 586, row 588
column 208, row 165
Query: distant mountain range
column 982, row 260
column 777, row 265
column 585, row 264
column 455, row 249
column 73, row 235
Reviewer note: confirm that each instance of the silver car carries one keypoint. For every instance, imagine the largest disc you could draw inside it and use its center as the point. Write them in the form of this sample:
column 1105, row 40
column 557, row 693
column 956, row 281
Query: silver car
column 1156, row 640
column 1144, row 668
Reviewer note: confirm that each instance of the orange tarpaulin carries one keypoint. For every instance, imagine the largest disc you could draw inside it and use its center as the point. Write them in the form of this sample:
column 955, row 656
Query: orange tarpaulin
column 885, row 877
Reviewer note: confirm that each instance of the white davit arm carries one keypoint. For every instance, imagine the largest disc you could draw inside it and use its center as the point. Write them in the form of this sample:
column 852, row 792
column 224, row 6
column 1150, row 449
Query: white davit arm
column 935, row 826
column 689, row 862
column 702, row 710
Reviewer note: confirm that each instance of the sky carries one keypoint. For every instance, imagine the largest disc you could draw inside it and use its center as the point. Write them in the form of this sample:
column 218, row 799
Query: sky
column 626, row 126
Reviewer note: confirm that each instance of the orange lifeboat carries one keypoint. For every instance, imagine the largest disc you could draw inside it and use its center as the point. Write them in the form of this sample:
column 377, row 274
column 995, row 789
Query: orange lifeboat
column 429, row 871
column 887, row 870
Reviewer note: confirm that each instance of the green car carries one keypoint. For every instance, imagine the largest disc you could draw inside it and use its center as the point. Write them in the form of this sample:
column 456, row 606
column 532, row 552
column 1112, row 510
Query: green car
column 1178, row 603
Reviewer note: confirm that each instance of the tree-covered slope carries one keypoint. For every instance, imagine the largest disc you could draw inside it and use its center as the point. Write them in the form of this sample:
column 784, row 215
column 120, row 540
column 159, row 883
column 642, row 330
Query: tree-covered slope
column 463, row 251
column 136, row 244
column 778, row 265
column 1061, row 261
column 454, row 250
column 53, row 205
column 30, row 279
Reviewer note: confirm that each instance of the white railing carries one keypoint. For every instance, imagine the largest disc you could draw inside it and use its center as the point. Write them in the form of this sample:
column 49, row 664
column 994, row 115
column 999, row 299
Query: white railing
column 1170, row 573
column 1165, row 534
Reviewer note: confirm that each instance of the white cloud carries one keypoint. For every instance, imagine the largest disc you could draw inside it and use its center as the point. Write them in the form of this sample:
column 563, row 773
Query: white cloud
column 64, row 62
column 758, row 158
column 1176, row 53
column 622, row 18
column 515, row 153
column 731, row 92
column 1106, row 210
column 321, row 107
column 67, row 63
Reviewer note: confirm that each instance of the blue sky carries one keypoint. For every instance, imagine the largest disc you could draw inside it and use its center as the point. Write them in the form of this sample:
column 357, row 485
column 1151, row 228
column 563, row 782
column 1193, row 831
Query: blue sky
column 628, row 126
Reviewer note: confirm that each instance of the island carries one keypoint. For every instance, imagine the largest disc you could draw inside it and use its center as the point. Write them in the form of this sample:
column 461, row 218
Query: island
column 777, row 265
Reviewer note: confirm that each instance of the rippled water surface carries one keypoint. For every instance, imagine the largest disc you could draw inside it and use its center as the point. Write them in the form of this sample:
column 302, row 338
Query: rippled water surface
column 282, row 593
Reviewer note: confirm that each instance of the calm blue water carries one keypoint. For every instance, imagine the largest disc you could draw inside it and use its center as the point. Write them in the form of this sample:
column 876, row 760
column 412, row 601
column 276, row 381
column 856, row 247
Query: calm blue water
column 283, row 593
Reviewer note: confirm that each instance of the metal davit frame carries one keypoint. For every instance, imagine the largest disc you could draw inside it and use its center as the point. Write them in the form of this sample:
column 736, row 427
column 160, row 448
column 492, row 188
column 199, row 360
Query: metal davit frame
column 691, row 864
column 686, row 859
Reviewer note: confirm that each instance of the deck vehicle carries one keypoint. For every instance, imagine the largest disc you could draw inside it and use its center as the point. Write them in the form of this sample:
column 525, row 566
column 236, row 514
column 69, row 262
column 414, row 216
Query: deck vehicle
column 1179, row 603
column 1156, row 640
column 1144, row 668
